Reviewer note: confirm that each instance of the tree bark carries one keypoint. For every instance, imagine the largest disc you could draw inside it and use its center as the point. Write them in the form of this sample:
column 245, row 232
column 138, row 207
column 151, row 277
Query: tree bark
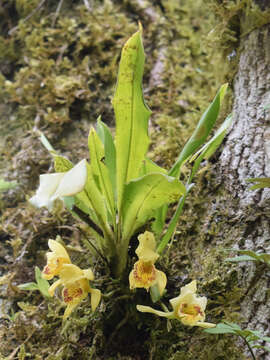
column 246, row 154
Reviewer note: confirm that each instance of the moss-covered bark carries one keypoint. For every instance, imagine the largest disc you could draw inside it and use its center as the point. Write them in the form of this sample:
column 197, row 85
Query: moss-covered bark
column 57, row 73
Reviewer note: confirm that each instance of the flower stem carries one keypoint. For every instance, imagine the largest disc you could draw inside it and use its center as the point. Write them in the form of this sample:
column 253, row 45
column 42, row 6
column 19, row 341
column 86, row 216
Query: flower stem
column 249, row 347
column 174, row 221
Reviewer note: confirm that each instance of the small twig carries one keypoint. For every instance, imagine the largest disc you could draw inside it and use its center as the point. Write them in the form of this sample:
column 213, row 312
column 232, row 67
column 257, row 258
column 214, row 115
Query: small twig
column 42, row 2
column 57, row 12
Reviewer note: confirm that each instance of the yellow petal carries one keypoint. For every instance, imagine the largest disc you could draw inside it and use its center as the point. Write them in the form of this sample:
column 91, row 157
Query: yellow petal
column 161, row 281
column 146, row 249
column 191, row 287
column 88, row 274
column 143, row 276
column 70, row 307
column 201, row 302
column 176, row 301
column 47, row 273
column 187, row 295
column 58, row 249
column 52, row 288
column 148, row 309
column 132, row 281
column 70, row 273
column 95, row 298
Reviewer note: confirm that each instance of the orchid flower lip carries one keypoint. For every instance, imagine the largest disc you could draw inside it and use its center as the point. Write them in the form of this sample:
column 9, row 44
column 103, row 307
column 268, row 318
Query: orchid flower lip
column 76, row 287
column 187, row 308
column 144, row 273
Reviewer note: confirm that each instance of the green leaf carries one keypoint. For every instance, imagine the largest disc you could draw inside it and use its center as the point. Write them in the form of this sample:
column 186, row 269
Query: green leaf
column 154, row 293
column 62, row 164
column 43, row 285
column 173, row 222
column 249, row 255
column 146, row 194
column 220, row 329
column 131, row 114
column 94, row 196
column 240, row 258
column 261, row 347
column 69, row 202
column 201, row 132
column 259, row 183
column 6, row 185
column 149, row 166
column 160, row 218
column 28, row 286
column 265, row 258
column 109, row 149
column 100, row 170
column 211, row 146
column 223, row 328
column 45, row 142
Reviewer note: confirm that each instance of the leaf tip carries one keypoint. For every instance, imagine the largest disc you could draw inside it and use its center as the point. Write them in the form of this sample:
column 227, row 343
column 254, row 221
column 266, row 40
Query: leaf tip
column 223, row 90
column 140, row 27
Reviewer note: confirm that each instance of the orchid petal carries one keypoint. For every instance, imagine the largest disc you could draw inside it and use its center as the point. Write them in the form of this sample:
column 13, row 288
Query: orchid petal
column 47, row 188
column 88, row 274
column 52, row 288
column 161, row 281
column 148, row 309
column 205, row 325
column 58, row 249
column 73, row 181
column 95, row 298
column 71, row 273
column 146, row 248
column 70, row 307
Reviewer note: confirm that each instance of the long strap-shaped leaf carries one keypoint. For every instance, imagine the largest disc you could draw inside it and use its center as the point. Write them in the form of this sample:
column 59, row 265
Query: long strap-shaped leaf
column 100, row 170
column 97, row 202
column 210, row 147
column 146, row 194
column 109, row 150
column 201, row 132
column 131, row 114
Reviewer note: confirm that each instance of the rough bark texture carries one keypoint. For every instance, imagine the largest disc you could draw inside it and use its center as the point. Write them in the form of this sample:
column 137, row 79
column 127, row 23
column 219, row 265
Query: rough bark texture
column 247, row 154
column 179, row 77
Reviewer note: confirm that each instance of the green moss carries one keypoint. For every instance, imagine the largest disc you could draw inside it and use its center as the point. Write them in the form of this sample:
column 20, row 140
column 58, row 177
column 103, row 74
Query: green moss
column 59, row 76
column 237, row 19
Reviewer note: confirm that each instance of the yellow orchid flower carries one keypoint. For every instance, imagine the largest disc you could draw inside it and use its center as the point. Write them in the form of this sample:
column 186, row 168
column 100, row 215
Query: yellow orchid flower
column 144, row 273
column 55, row 260
column 187, row 307
column 76, row 287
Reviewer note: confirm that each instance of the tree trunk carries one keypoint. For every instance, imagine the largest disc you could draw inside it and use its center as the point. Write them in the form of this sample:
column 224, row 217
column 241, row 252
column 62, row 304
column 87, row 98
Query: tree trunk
column 246, row 154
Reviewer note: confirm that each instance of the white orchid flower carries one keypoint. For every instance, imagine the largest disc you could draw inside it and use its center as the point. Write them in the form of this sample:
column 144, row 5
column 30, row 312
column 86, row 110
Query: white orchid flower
column 58, row 185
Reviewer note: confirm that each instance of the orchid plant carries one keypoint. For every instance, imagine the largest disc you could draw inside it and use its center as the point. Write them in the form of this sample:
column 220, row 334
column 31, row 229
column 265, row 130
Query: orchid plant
column 121, row 190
